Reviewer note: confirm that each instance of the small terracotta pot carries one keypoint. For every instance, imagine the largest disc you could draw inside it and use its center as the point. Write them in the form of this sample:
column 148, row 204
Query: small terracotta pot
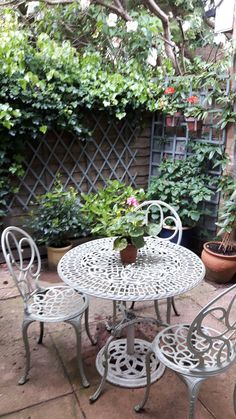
column 129, row 254
column 219, row 267
column 193, row 124
column 173, row 120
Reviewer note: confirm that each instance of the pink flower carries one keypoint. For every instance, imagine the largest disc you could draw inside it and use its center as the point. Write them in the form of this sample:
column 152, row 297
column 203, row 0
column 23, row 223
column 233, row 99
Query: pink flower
column 132, row 201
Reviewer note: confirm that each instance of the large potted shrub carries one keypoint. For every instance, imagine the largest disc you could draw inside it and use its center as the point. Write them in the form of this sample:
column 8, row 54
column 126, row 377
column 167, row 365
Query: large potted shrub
column 55, row 219
column 219, row 257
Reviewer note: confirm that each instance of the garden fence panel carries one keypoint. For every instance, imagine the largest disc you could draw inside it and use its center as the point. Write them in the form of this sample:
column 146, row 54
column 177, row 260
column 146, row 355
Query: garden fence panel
column 115, row 150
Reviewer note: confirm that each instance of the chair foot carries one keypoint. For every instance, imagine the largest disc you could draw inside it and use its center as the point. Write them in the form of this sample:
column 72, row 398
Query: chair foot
column 23, row 380
column 138, row 409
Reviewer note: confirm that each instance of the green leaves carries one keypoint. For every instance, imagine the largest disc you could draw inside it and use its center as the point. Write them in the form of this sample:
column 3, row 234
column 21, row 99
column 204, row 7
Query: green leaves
column 185, row 185
column 56, row 216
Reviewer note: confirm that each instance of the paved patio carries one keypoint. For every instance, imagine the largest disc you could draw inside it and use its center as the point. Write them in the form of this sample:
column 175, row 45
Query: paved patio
column 54, row 390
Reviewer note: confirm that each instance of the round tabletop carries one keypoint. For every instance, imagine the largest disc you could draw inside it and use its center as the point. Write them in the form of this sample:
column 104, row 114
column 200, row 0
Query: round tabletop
column 163, row 269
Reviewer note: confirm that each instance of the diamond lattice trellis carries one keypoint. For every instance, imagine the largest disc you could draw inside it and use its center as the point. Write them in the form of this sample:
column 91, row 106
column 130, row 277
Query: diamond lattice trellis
column 172, row 142
column 110, row 153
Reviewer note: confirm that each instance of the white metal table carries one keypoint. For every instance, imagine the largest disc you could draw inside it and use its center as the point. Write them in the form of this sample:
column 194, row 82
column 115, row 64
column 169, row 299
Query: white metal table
column 163, row 269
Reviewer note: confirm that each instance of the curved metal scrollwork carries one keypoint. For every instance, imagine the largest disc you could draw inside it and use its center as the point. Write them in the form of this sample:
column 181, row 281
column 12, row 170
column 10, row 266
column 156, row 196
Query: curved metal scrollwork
column 24, row 272
column 168, row 217
column 219, row 345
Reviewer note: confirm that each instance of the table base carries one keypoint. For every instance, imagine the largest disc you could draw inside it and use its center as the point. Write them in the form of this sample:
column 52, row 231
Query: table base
column 129, row 370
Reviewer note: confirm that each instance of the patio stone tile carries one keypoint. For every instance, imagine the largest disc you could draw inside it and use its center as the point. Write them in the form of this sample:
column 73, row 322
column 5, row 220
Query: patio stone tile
column 47, row 376
column 217, row 394
column 65, row 407
column 7, row 284
column 168, row 399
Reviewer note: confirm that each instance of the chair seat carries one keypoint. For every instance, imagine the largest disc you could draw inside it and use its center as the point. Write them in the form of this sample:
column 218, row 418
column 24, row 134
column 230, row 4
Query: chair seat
column 170, row 346
column 58, row 303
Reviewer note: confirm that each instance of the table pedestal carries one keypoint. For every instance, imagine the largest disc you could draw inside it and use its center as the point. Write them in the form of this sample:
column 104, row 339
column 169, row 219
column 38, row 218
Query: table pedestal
column 129, row 370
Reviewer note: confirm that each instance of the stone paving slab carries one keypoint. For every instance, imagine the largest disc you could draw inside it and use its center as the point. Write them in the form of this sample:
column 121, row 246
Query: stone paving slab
column 54, row 389
column 167, row 400
column 59, row 408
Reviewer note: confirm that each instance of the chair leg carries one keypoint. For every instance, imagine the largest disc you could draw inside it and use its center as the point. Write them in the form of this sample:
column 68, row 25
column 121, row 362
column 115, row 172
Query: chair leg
column 235, row 399
column 132, row 305
column 140, row 406
column 174, row 306
column 168, row 312
column 93, row 342
column 40, row 340
column 25, row 326
column 193, row 385
column 157, row 311
column 76, row 323
column 97, row 393
column 114, row 313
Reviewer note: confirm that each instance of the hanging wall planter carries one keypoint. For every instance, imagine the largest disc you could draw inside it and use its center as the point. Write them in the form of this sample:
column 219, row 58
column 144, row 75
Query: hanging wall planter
column 173, row 120
column 194, row 124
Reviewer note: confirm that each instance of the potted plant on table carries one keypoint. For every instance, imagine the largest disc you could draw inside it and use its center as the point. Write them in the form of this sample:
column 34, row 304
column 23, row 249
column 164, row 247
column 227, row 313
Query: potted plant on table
column 219, row 257
column 99, row 209
column 56, row 219
column 130, row 230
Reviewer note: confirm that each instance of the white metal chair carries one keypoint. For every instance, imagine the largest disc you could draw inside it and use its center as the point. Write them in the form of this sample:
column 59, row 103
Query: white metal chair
column 52, row 304
column 197, row 351
column 163, row 214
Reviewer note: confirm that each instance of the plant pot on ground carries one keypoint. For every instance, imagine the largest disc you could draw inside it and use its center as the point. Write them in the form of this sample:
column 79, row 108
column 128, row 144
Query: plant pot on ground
column 219, row 257
column 55, row 220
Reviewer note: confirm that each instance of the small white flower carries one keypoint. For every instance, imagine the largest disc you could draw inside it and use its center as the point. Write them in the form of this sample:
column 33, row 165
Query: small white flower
column 131, row 26
column 112, row 20
column 116, row 42
column 186, row 25
column 152, row 57
column 31, row 6
column 84, row 4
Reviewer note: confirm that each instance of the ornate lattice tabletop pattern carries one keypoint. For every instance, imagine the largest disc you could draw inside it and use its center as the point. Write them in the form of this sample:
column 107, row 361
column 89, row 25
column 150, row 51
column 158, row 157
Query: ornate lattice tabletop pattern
column 163, row 269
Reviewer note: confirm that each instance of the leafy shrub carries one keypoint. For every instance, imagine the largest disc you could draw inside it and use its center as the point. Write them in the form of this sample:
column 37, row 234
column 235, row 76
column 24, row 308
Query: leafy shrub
column 56, row 217
column 109, row 203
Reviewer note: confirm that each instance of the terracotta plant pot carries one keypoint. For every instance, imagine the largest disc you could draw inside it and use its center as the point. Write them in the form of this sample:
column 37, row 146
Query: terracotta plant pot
column 55, row 254
column 129, row 254
column 173, row 120
column 193, row 124
column 219, row 267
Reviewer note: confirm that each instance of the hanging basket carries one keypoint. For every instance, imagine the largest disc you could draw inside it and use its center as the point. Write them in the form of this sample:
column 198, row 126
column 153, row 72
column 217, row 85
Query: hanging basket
column 129, row 254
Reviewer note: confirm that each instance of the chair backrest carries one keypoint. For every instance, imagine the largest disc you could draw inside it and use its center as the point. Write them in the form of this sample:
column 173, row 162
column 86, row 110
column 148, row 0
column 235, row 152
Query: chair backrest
column 25, row 271
column 210, row 346
column 165, row 216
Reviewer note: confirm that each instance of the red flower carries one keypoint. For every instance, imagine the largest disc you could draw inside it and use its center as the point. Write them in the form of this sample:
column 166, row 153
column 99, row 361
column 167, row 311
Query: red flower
column 192, row 99
column 169, row 90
